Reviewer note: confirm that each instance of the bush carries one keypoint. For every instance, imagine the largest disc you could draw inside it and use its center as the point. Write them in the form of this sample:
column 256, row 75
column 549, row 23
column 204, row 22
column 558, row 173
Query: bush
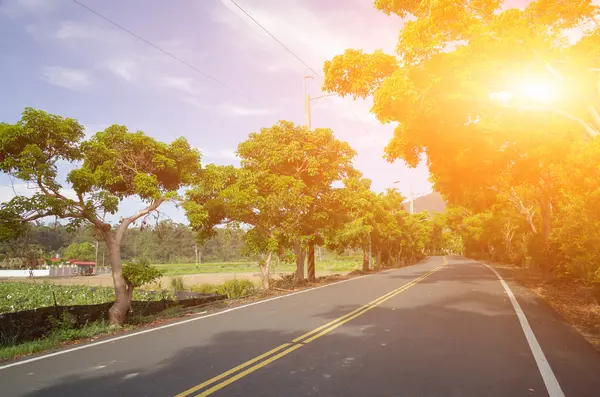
column 140, row 273
column 205, row 288
column 235, row 288
column 177, row 284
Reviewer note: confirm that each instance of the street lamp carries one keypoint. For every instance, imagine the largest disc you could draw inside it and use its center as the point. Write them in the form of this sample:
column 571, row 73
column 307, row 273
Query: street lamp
column 307, row 99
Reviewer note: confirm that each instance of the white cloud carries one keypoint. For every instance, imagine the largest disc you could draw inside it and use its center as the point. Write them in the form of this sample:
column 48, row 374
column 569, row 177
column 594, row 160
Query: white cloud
column 122, row 69
column 178, row 83
column 195, row 102
column 314, row 37
column 73, row 79
column 75, row 30
column 219, row 156
column 244, row 111
column 227, row 154
column 228, row 109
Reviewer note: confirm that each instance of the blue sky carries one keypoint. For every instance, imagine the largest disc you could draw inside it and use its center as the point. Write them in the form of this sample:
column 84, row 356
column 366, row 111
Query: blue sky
column 59, row 57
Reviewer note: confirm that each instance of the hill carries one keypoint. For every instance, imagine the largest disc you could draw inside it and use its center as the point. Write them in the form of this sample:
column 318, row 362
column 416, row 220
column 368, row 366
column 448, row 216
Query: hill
column 432, row 202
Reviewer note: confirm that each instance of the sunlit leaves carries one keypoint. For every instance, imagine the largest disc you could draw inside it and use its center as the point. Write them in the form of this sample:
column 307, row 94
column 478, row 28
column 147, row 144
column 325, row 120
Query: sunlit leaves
column 356, row 73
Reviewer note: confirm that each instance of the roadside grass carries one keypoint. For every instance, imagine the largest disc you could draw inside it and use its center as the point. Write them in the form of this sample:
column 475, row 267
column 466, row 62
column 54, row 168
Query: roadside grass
column 179, row 269
column 55, row 339
column 63, row 332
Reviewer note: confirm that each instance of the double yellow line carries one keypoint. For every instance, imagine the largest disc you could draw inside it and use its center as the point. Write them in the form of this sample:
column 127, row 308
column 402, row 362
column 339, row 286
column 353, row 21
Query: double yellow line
column 258, row 362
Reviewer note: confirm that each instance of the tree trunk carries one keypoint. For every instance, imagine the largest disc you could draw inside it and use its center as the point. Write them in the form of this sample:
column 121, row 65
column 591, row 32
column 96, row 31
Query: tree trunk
column 311, row 262
column 545, row 212
column 265, row 271
column 123, row 295
column 378, row 264
column 300, row 255
column 365, row 259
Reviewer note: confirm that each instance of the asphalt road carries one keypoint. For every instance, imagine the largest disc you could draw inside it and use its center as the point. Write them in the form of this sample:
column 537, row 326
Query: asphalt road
column 425, row 330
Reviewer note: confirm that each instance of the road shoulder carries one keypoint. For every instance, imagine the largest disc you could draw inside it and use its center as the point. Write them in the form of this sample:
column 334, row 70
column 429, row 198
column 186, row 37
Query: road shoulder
column 574, row 360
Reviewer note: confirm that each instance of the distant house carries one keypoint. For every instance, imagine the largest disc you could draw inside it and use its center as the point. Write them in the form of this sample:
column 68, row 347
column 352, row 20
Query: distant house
column 83, row 267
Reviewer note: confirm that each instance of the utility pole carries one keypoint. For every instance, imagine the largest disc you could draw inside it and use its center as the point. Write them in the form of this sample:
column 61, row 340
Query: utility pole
column 306, row 103
column 196, row 249
column 307, row 99
column 412, row 202
column 96, row 252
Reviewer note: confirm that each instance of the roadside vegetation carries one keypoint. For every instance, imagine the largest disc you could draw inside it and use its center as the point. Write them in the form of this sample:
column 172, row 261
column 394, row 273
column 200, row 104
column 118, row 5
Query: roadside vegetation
column 18, row 296
column 295, row 191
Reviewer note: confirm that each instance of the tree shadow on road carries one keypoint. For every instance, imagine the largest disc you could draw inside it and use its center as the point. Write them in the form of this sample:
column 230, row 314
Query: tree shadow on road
column 444, row 340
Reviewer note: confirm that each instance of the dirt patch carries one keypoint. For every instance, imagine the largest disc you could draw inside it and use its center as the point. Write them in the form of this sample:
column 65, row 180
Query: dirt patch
column 578, row 304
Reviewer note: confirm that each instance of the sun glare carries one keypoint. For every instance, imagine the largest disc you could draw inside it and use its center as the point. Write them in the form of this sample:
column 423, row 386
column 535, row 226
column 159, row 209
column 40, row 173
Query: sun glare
column 528, row 90
column 538, row 90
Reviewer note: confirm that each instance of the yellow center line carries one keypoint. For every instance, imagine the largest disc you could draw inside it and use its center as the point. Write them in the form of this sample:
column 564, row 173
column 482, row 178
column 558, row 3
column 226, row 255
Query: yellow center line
column 248, row 371
column 232, row 370
column 298, row 342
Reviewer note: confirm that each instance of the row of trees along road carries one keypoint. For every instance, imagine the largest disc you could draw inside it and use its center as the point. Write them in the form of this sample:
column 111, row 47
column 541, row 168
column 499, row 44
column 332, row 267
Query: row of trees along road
column 284, row 193
column 504, row 103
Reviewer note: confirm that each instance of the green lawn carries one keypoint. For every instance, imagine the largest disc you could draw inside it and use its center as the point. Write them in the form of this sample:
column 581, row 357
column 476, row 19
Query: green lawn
column 178, row 269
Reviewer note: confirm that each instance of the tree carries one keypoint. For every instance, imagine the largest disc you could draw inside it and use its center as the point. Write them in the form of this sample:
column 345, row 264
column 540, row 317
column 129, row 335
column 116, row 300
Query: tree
column 81, row 251
column 355, row 203
column 453, row 90
column 283, row 190
column 112, row 165
column 315, row 159
column 270, row 205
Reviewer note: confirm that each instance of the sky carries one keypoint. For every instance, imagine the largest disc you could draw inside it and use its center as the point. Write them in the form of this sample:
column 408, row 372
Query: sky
column 59, row 57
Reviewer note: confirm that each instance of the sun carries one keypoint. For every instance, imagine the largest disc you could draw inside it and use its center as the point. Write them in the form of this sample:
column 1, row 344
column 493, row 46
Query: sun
column 537, row 90
column 528, row 90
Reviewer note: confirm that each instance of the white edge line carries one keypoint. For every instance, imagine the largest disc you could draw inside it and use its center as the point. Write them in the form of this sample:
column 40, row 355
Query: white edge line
column 552, row 385
column 58, row 353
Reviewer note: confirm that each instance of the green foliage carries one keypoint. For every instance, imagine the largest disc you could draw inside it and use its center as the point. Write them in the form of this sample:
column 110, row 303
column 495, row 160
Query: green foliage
column 177, row 284
column 237, row 288
column 18, row 296
column 63, row 332
column 282, row 192
column 205, row 288
column 233, row 289
column 140, row 273
column 82, row 251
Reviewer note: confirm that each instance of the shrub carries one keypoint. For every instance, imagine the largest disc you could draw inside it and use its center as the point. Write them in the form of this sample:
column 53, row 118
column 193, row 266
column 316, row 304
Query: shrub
column 140, row 273
column 235, row 288
column 205, row 288
column 177, row 284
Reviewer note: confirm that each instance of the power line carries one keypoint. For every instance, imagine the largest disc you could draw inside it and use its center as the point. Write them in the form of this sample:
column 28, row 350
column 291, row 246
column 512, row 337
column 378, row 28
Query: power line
column 167, row 53
column 294, row 54
column 272, row 36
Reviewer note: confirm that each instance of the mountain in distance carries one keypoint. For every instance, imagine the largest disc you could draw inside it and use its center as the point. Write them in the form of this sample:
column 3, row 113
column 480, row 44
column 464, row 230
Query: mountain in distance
column 432, row 202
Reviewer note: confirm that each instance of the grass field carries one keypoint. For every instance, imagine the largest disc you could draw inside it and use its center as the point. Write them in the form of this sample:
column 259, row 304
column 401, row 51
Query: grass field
column 179, row 269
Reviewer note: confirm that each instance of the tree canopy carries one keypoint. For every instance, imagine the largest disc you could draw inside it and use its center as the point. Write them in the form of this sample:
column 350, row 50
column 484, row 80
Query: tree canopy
column 500, row 101
column 112, row 165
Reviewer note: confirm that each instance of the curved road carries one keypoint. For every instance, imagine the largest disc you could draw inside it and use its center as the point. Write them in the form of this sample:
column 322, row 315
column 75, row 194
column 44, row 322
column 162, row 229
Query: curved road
column 446, row 327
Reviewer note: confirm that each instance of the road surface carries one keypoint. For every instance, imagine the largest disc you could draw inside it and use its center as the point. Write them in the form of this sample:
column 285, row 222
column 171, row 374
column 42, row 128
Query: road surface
column 446, row 327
